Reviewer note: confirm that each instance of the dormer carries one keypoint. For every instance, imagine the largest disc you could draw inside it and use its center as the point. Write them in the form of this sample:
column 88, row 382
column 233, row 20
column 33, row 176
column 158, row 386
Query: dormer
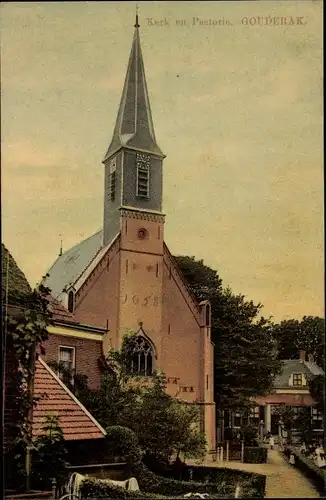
column 297, row 379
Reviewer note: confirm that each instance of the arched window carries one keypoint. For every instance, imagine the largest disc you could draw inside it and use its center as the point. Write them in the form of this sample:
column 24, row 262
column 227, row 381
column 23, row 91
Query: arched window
column 71, row 301
column 141, row 360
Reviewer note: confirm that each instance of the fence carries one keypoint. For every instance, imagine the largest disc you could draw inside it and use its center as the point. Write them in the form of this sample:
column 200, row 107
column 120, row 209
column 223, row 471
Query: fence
column 228, row 450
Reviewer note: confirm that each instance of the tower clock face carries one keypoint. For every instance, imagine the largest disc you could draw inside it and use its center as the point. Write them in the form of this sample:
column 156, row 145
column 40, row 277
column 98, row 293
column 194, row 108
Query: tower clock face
column 143, row 161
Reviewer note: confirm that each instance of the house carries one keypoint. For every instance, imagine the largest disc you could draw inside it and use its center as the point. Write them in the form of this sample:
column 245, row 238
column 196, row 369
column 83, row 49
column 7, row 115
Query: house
column 83, row 435
column 290, row 388
column 124, row 277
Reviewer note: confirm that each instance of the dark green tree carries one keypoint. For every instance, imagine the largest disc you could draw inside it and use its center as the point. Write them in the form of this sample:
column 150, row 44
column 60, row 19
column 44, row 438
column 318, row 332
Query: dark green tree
column 49, row 455
column 317, row 391
column 307, row 334
column 245, row 352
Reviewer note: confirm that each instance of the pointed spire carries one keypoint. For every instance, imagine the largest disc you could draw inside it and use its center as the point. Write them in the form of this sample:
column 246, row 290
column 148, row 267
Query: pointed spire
column 136, row 25
column 134, row 126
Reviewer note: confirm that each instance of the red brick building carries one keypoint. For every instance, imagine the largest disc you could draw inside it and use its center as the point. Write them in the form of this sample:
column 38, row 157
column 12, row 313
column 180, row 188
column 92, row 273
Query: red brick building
column 124, row 278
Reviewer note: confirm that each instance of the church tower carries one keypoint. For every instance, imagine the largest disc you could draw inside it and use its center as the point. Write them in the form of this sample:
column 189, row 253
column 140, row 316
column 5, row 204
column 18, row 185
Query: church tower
column 123, row 278
column 133, row 161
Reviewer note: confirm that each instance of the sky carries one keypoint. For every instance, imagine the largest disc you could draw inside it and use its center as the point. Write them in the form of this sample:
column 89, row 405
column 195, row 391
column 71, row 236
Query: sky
column 237, row 109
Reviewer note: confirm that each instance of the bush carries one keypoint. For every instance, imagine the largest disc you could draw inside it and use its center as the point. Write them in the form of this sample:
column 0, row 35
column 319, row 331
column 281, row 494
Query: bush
column 123, row 443
column 151, row 483
column 255, row 455
column 252, row 484
column 93, row 488
column 316, row 475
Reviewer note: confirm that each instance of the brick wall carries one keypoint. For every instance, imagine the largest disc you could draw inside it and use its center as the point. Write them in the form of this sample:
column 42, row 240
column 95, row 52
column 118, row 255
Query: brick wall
column 87, row 353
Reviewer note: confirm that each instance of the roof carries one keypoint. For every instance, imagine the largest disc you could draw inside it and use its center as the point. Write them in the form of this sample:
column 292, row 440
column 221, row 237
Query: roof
column 18, row 286
column 290, row 366
column 59, row 312
column 134, row 125
column 69, row 266
column 288, row 399
column 56, row 399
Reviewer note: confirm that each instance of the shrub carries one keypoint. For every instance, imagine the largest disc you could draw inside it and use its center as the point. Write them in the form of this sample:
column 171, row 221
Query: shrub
column 316, row 475
column 93, row 488
column 123, row 443
column 255, row 455
column 151, row 483
column 252, row 484
column 249, row 434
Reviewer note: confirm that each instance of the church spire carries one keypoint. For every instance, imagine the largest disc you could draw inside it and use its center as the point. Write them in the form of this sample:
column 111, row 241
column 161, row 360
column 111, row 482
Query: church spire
column 134, row 126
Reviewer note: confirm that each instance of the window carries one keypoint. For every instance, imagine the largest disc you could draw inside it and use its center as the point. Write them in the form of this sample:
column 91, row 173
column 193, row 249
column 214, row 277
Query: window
column 255, row 414
column 317, row 419
column 297, row 379
column 71, row 301
column 66, row 363
column 208, row 315
column 143, row 181
column 112, row 180
column 237, row 419
column 141, row 362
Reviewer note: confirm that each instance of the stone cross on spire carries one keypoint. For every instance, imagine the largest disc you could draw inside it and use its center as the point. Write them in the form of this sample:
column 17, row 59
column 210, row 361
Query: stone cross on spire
column 134, row 125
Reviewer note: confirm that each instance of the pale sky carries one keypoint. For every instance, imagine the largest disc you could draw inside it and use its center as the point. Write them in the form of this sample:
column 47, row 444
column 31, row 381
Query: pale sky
column 237, row 109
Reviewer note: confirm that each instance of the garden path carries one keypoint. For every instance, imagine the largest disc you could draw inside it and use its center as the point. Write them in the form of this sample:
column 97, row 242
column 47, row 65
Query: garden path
column 283, row 480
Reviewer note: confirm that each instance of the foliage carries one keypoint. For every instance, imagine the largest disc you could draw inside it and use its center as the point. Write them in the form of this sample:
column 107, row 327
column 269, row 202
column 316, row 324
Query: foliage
column 317, row 391
column 255, row 455
column 213, row 480
column 26, row 328
column 93, row 488
column 245, row 351
column 309, row 469
column 122, row 442
column 308, row 335
column 249, row 434
column 298, row 419
column 49, row 454
column 164, row 426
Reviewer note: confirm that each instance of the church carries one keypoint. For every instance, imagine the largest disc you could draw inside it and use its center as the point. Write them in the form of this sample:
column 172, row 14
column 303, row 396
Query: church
column 124, row 277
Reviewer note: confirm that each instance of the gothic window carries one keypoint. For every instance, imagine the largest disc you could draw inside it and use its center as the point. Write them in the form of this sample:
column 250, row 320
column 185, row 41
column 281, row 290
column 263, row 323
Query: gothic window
column 141, row 362
column 143, row 166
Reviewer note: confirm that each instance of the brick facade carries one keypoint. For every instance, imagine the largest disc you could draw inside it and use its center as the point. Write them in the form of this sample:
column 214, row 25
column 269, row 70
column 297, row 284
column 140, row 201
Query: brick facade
column 87, row 353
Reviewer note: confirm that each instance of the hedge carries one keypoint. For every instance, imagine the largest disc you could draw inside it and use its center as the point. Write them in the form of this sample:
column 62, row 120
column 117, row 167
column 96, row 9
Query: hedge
column 255, row 455
column 252, row 484
column 316, row 475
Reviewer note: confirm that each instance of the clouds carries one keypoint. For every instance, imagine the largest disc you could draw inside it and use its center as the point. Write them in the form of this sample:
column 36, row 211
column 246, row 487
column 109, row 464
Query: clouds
column 237, row 110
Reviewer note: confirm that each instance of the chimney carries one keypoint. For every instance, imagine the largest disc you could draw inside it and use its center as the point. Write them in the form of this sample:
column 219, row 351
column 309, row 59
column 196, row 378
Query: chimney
column 302, row 355
column 311, row 358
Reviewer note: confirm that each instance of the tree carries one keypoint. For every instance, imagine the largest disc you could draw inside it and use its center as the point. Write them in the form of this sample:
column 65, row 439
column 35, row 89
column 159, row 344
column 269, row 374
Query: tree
column 49, row 456
column 25, row 323
column 164, row 426
column 308, row 335
column 298, row 419
column 317, row 391
column 245, row 352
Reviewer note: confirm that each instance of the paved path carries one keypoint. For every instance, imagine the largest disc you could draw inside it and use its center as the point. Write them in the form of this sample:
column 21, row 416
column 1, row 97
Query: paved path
column 283, row 480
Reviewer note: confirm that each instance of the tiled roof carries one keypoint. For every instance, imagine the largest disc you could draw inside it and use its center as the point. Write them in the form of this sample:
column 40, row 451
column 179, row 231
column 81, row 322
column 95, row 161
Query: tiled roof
column 295, row 366
column 17, row 287
column 56, row 399
column 59, row 312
